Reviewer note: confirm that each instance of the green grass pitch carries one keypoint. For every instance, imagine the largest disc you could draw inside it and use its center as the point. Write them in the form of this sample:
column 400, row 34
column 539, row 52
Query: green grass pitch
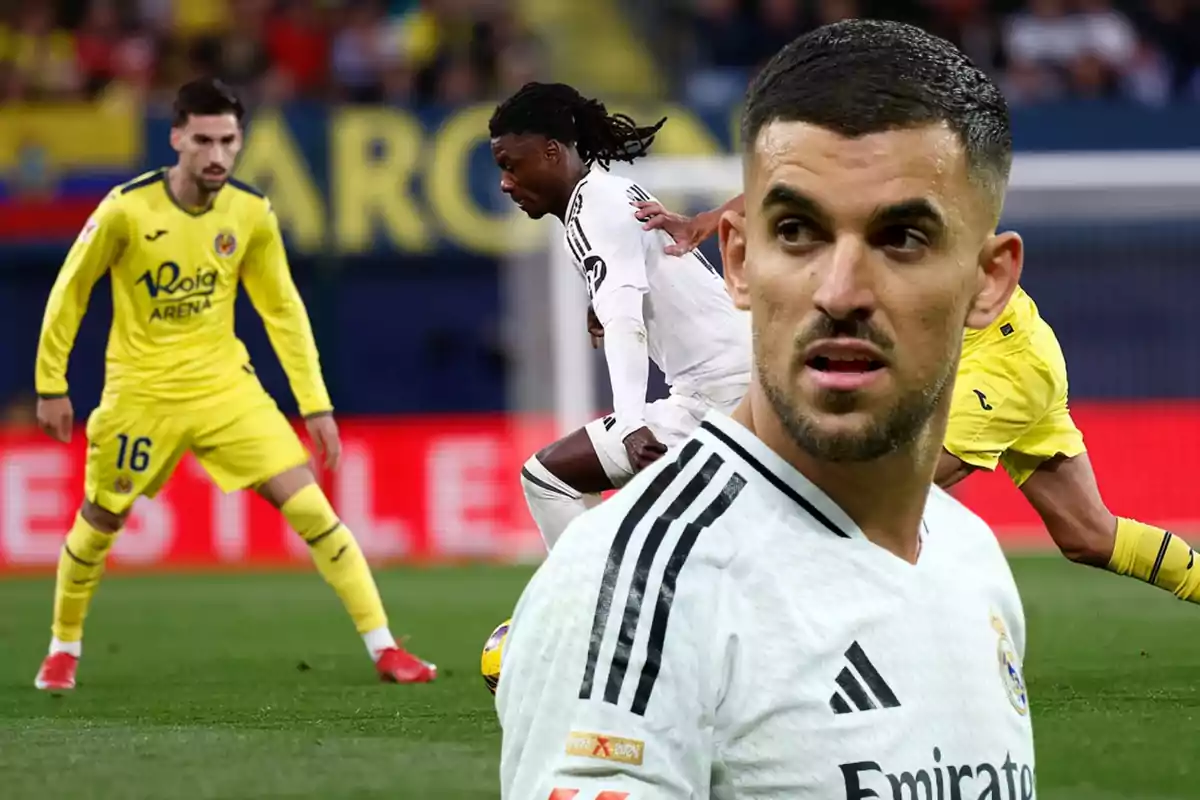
column 251, row 686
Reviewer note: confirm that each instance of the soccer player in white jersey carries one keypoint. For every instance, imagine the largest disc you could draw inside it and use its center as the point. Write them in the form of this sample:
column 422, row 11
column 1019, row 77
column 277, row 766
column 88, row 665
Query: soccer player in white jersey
column 786, row 607
column 553, row 147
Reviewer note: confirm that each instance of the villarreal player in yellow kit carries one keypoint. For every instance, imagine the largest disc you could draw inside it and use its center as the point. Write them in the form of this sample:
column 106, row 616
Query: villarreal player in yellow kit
column 1009, row 410
column 177, row 244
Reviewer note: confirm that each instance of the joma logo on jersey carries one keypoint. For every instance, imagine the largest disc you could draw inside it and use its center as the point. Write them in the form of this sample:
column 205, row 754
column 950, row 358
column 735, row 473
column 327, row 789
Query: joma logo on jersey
column 866, row 780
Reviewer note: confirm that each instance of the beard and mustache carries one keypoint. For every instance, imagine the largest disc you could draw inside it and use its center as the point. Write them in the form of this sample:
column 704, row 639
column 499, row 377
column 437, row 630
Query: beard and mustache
column 896, row 428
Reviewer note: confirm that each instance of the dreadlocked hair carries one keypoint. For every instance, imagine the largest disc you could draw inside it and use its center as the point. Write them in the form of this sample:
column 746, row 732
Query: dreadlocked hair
column 557, row 111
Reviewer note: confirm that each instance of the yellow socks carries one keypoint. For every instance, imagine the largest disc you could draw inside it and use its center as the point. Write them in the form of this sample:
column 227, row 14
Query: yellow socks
column 1156, row 556
column 340, row 562
column 80, row 565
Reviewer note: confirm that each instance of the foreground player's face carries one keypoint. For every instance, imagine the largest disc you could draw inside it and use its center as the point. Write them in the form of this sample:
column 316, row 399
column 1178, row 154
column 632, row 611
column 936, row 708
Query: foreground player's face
column 530, row 172
column 207, row 147
column 861, row 261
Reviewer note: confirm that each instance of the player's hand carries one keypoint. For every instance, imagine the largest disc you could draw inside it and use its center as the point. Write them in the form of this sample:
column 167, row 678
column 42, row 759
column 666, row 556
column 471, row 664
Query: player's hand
column 643, row 448
column 594, row 327
column 328, row 443
column 56, row 417
column 688, row 232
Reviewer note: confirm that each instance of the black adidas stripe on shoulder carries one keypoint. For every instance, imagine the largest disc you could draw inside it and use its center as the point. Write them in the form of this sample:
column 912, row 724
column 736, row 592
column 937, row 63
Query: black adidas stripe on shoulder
column 577, row 202
column 144, row 181
column 642, row 572
column 575, row 247
column 616, row 554
column 576, row 238
column 637, row 193
column 666, row 591
column 245, row 187
column 576, row 229
column 773, row 479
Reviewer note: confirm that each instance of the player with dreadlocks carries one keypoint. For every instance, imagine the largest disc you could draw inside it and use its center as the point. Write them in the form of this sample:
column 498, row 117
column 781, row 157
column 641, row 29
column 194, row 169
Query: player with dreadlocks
column 553, row 147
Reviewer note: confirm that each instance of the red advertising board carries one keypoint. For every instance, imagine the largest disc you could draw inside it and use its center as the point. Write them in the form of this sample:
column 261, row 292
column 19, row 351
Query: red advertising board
column 433, row 488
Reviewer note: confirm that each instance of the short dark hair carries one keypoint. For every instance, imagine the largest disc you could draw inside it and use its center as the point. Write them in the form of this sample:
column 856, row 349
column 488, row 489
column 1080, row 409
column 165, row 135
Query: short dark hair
column 859, row 77
column 205, row 97
column 558, row 111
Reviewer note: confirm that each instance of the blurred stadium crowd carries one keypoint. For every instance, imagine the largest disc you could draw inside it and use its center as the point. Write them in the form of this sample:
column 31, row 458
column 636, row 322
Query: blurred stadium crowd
column 1145, row 51
column 1043, row 50
column 423, row 52
column 398, row 51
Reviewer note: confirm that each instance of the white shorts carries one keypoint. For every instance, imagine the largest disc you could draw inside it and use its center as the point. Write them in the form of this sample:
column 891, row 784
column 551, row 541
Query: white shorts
column 672, row 420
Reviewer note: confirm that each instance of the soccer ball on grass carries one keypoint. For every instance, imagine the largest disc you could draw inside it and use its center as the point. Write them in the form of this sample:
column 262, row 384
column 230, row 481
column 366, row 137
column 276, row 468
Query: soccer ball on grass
column 493, row 651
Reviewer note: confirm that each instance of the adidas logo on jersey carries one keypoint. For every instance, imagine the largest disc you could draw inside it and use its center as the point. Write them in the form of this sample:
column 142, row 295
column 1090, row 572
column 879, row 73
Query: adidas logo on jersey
column 1006, row 781
column 861, row 686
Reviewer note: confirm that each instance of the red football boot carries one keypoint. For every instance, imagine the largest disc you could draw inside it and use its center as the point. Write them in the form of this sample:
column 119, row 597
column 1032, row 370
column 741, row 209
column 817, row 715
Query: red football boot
column 397, row 665
column 57, row 673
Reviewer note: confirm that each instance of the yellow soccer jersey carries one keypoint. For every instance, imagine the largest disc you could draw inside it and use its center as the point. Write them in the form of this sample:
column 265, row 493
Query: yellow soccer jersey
column 1019, row 315
column 1010, row 396
column 175, row 276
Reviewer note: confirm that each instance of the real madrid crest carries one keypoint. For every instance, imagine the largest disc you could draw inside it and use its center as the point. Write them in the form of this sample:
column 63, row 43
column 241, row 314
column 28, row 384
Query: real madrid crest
column 1010, row 668
column 225, row 244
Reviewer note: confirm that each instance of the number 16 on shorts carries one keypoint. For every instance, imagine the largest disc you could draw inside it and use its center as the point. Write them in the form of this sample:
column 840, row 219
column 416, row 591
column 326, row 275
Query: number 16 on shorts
column 131, row 452
column 134, row 454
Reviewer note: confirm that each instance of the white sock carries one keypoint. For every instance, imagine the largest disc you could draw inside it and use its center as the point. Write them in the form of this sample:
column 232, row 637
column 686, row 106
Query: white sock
column 377, row 640
column 59, row 646
column 552, row 503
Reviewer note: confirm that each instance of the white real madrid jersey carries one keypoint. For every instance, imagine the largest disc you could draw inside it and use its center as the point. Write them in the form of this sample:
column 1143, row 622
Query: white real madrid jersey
column 693, row 332
column 720, row 628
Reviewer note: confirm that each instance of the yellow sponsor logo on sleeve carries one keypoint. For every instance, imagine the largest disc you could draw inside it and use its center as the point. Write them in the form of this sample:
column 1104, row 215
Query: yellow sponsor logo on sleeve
column 607, row 748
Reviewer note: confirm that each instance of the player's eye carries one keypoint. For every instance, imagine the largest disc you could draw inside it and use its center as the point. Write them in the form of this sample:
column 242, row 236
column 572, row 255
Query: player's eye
column 902, row 240
column 796, row 232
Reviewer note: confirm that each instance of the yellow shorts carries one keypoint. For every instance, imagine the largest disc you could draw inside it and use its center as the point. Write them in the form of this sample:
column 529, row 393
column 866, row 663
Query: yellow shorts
column 1010, row 402
column 239, row 436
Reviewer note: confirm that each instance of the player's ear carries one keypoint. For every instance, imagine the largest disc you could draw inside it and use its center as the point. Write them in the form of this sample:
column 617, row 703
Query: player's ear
column 731, row 233
column 176, row 138
column 1000, row 263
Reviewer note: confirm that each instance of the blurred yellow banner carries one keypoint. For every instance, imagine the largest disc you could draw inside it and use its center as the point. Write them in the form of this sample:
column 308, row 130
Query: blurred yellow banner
column 71, row 136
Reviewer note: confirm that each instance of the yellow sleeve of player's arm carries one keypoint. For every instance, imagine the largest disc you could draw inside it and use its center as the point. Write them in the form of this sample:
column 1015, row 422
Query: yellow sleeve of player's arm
column 268, row 281
column 98, row 246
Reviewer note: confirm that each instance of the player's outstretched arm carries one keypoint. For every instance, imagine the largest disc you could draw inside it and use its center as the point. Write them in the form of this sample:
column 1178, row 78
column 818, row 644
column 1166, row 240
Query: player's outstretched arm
column 562, row 734
column 97, row 247
column 688, row 232
column 951, row 470
column 268, row 281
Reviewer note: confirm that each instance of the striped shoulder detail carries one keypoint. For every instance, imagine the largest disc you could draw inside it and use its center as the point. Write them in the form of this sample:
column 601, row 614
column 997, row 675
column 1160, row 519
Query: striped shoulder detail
column 779, row 483
column 577, row 240
column 577, row 200
column 245, row 187
column 637, row 194
column 677, row 525
column 144, row 180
